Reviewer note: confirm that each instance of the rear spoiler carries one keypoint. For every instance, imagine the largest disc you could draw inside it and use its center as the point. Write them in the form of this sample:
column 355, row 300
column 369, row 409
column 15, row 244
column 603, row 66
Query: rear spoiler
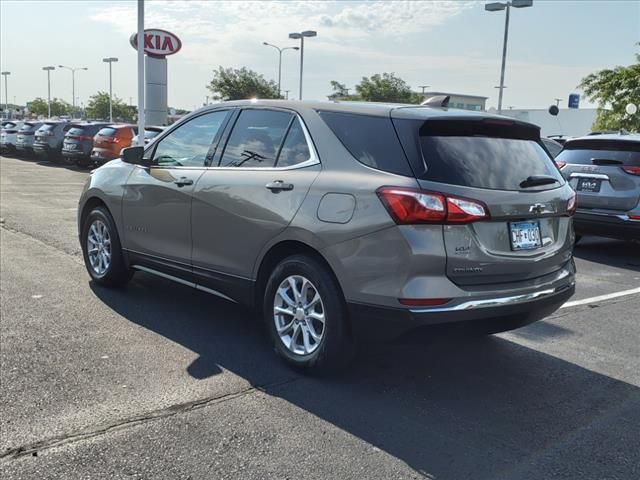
column 480, row 126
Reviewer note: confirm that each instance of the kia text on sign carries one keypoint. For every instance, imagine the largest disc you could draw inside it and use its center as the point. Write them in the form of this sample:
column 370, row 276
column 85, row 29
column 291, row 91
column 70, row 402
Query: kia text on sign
column 158, row 43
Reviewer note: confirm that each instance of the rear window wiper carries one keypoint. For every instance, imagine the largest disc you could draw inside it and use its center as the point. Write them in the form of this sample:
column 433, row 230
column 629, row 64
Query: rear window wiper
column 537, row 180
column 606, row 161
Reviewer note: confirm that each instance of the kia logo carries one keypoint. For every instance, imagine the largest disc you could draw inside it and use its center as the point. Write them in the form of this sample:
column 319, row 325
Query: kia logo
column 157, row 43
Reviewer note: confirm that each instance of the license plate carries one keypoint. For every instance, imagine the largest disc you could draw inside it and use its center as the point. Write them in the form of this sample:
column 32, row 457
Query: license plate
column 590, row 185
column 525, row 235
column 69, row 146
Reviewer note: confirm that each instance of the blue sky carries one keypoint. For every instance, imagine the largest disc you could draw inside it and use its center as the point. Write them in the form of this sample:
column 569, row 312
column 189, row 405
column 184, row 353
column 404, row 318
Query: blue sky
column 451, row 45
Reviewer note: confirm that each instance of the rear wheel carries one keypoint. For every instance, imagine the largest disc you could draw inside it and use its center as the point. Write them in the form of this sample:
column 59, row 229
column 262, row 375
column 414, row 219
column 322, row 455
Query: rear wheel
column 306, row 316
column 102, row 251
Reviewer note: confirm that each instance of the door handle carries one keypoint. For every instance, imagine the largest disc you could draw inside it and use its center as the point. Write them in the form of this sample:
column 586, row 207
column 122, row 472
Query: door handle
column 182, row 181
column 278, row 186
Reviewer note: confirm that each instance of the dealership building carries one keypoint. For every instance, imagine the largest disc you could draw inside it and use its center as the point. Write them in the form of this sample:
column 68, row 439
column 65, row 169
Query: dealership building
column 460, row 100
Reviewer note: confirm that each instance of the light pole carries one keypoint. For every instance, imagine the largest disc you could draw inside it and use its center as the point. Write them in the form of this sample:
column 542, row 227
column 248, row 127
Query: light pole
column 110, row 60
column 280, row 50
column 301, row 35
column 287, row 94
column 6, row 95
column 496, row 7
column 48, row 70
column 73, row 84
column 558, row 100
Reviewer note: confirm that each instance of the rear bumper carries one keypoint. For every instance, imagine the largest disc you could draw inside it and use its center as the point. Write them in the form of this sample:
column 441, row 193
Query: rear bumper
column 75, row 154
column 486, row 314
column 103, row 155
column 606, row 225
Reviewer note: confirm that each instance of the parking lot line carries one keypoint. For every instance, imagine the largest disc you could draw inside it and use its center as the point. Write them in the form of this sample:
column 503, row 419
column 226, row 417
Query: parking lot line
column 601, row 298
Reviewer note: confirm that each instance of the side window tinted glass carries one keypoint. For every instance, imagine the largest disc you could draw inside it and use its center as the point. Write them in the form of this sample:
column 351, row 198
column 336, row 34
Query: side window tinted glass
column 256, row 139
column 371, row 140
column 294, row 149
column 188, row 145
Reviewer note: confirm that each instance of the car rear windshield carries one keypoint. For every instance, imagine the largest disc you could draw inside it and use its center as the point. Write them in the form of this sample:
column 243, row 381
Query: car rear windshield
column 589, row 152
column 371, row 140
column 107, row 132
column 27, row 126
column 151, row 133
column 481, row 152
column 48, row 126
column 75, row 131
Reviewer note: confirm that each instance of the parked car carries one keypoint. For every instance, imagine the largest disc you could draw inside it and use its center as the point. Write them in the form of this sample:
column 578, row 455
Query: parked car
column 9, row 135
column 25, row 138
column 340, row 221
column 149, row 134
column 551, row 145
column 78, row 142
column 559, row 138
column 605, row 172
column 48, row 139
column 109, row 140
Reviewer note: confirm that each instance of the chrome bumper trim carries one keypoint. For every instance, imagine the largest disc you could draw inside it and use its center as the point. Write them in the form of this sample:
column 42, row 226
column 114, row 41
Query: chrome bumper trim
column 496, row 302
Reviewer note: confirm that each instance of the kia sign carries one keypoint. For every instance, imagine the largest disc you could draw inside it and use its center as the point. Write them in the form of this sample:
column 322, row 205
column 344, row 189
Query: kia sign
column 158, row 43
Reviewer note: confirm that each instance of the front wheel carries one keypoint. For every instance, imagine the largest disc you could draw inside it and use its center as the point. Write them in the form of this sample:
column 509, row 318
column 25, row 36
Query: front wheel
column 102, row 251
column 306, row 315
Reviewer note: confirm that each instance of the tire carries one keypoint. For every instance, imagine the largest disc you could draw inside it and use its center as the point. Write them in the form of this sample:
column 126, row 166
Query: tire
column 335, row 347
column 111, row 273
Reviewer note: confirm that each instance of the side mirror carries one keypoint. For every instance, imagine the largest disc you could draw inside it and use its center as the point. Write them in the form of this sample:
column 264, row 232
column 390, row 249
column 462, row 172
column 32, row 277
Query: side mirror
column 134, row 155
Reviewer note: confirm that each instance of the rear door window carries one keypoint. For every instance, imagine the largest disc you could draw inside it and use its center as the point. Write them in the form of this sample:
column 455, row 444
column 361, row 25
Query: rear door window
column 295, row 149
column 589, row 152
column 371, row 140
column 256, row 138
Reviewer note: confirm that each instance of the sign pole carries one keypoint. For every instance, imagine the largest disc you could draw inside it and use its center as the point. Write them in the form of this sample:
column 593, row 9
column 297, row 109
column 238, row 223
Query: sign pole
column 141, row 73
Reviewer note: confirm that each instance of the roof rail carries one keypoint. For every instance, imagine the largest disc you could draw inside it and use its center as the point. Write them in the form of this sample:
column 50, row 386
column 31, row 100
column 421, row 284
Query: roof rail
column 441, row 101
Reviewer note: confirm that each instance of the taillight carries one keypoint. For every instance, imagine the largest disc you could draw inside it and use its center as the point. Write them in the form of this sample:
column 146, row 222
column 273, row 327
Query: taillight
column 410, row 206
column 571, row 204
column 110, row 139
column 632, row 170
column 561, row 165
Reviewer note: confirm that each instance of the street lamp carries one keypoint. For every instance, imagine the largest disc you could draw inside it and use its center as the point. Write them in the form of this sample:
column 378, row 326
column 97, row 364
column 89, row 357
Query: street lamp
column 495, row 7
column 48, row 70
column 301, row 35
column 280, row 50
column 6, row 95
column 73, row 84
column 110, row 60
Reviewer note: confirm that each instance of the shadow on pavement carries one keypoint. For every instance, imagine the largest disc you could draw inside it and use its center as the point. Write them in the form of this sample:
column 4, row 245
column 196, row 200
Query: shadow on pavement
column 453, row 409
column 610, row 252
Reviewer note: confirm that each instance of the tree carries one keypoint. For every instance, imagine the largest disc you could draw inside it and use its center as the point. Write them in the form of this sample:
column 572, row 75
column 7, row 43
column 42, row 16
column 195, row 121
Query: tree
column 385, row 88
column 38, row 106
column 98, row 107
column 613, row 90
column 238, row 84
column 339, row 89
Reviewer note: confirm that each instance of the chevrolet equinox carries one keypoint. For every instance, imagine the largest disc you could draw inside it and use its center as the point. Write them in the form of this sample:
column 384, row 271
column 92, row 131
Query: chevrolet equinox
column 341, row 221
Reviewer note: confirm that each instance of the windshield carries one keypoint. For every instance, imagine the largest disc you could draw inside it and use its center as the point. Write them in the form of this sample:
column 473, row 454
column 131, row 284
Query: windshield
column 487, row 162
column 584, row 153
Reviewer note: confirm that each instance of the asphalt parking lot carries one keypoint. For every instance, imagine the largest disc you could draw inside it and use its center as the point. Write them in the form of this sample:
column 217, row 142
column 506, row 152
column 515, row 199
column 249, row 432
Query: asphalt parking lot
column 161, row 381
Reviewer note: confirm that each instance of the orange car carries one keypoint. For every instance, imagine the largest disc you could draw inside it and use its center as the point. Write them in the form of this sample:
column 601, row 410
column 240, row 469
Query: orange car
column 110, row 140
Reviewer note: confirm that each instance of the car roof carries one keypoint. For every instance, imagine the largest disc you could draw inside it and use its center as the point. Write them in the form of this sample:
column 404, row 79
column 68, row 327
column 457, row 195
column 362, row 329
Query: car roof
column 397, row 110
column 625, row 137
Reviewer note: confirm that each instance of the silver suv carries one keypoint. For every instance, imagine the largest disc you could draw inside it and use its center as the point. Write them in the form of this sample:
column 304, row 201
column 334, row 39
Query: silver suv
column 341, row 221
column 605, row 172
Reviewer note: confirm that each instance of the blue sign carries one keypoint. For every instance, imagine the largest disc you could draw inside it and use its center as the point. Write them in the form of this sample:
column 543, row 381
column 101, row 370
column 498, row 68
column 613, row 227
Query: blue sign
column 574, row 100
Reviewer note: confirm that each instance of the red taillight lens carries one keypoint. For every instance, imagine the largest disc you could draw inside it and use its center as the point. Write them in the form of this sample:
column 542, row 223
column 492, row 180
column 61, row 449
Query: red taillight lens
column 410, row 206
column 632, row 170
column 561, row 165
column 571, row 204
column 423, row 302
column 406, row 205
